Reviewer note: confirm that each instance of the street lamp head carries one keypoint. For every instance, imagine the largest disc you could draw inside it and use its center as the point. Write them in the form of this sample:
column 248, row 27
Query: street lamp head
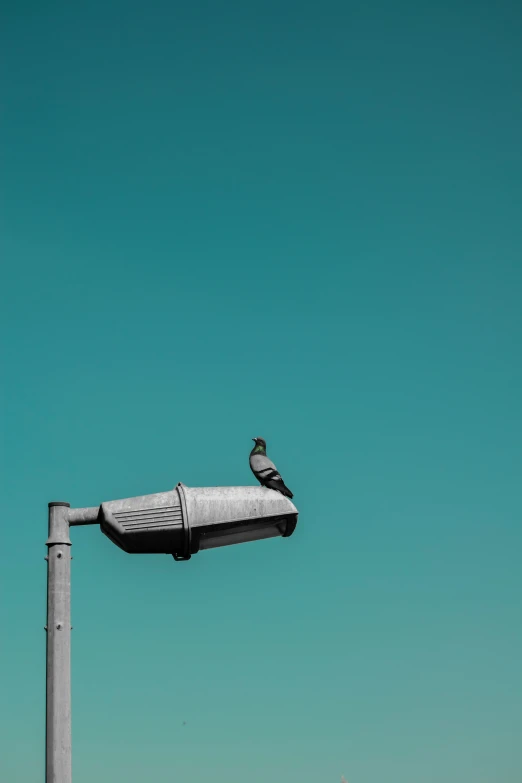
column 188, row 519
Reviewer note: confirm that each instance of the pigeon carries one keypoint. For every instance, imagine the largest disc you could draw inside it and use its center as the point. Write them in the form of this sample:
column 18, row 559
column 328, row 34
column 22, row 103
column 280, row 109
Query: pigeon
column 264, row 469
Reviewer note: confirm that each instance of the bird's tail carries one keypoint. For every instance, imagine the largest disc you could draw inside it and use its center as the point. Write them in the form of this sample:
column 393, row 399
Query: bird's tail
column 281, row 487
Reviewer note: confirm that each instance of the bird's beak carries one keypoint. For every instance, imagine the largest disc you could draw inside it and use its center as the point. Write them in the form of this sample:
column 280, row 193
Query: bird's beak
column 255, row 440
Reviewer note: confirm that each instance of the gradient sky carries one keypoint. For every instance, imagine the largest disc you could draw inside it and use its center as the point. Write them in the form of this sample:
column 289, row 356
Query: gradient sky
column 295, row 220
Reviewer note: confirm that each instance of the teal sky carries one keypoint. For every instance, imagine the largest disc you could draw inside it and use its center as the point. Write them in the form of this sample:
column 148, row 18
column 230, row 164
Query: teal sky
column 295, row 220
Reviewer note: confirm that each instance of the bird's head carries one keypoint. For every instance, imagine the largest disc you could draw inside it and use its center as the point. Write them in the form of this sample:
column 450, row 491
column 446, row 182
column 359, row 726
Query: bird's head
column 260, row 444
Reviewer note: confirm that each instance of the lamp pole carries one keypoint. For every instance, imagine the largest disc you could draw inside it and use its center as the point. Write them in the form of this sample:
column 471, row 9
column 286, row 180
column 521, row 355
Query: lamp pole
column 58, row 768
column 58, row 676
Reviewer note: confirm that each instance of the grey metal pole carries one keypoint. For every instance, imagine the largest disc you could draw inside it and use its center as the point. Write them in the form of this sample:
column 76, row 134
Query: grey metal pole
column 58, row 697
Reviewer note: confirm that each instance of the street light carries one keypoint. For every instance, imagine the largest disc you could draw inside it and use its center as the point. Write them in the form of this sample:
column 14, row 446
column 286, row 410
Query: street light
column 180, row 522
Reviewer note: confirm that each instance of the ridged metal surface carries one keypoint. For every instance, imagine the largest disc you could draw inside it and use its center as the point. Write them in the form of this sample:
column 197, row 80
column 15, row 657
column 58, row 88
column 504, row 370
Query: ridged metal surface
column 149, row 518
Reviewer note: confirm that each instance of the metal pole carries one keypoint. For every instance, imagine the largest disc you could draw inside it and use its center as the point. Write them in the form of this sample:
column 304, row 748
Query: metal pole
column 84, row 516
column 58, row 697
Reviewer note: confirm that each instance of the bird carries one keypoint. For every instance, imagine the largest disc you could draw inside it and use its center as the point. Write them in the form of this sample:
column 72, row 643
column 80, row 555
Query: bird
column 264, row 469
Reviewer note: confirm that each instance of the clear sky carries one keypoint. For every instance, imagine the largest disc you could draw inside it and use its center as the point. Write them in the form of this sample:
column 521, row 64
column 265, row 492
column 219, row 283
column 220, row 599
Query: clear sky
column 295, row 220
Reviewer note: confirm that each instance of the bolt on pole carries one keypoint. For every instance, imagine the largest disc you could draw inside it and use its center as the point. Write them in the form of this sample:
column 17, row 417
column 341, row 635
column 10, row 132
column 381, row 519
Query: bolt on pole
column 58, row 676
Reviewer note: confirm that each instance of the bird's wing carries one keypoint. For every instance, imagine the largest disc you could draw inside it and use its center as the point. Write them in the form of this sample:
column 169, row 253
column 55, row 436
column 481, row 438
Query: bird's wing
column 262, row 466
column 261, row 462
